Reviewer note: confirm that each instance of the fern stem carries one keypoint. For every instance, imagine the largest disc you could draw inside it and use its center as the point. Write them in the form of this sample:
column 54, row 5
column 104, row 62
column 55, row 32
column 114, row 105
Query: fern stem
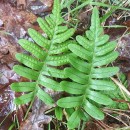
column 30, row 106
column 49, row 126
column 83, row 125
column 79, row 125
column 12, row 126
column 50, row 110
column 17, row 122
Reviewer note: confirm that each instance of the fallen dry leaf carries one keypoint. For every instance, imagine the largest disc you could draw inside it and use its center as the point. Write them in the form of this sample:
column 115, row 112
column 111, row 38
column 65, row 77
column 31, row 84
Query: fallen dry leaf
column 14, row 26
column 21, row 4
column 38, row 7
column 36, row 117
column 48, row 3
column 7, row 75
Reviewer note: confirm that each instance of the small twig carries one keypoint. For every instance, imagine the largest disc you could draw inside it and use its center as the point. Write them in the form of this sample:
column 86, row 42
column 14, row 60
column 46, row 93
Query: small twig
column 122, row 89
column 103, row 125
column 119, row 113
column 5, row 118
column 121, row 86
column 66, row 115
column 109, row 109
column 30, row 106
column 116, row 118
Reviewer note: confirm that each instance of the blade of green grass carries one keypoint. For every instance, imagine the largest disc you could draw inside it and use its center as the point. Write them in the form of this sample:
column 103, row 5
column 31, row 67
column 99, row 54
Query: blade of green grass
column 98, row 4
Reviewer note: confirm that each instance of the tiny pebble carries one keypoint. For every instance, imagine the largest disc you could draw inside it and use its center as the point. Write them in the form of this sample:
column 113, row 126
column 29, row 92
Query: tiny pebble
column 1, row 23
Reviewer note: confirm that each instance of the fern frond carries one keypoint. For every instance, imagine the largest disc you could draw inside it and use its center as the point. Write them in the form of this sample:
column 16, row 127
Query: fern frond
column 88, row 75
column 47, row 55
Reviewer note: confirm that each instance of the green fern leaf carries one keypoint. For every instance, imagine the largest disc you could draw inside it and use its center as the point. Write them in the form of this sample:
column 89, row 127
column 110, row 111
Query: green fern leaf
column 33, row 49
column 44, row 97
column 29, row 61
column 106, row 59
column 45, row 27
column 61, row 29
column 39, row 39
column 76, row 75
column 69, row 102
column 104, row 72
column 102, row 40
column 24, row 99
column 23, row 86
column 49, row 83
column 74, row 120
column 60, row 37
column 73, row 88
column 58, row 113
column 87, row 74
column 93, row 110
column 80, row 51
column 105, row 49
column 98, row 97
column 84, row 42
column 62, row 48
column 58, row 60
column 47, row 54
column 102, row 85
column 26, row 72
column 79, row 64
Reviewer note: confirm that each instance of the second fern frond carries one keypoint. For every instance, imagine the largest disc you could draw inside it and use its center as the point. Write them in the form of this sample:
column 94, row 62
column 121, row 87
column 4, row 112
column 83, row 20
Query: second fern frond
column 89, row 74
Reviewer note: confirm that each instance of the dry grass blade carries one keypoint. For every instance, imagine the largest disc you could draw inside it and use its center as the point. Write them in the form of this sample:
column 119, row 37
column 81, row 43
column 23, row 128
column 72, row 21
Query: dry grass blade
column 121, row 86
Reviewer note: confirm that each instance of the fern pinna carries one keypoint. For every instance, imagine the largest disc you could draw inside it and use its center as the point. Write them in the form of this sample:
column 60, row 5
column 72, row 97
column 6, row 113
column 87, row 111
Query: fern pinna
column 48, row 54
column 89, row 74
